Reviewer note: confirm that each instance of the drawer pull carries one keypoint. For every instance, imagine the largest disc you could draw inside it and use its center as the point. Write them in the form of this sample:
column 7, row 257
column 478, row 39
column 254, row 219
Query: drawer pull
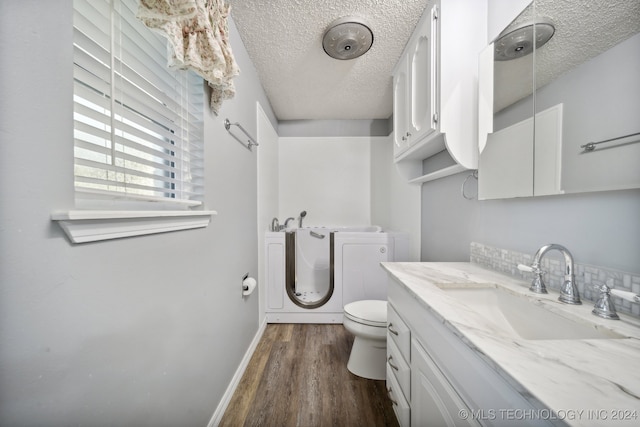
column 389, row 327
column 391, row 398
column 391, row 364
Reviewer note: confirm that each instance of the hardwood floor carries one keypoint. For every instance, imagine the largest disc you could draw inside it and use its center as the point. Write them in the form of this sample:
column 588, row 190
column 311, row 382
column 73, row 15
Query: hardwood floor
column 298, row 377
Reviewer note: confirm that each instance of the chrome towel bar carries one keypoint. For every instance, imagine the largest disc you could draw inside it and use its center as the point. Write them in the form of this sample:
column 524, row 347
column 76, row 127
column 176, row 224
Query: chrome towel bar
column 592, row 145
column 251, row 142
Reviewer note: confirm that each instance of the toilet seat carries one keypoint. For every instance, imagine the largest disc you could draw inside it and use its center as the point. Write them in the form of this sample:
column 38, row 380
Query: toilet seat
column 367, row 312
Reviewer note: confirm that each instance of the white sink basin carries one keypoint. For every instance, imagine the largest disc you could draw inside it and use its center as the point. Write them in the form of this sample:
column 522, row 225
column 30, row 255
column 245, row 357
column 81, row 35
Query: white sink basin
column 525, row 317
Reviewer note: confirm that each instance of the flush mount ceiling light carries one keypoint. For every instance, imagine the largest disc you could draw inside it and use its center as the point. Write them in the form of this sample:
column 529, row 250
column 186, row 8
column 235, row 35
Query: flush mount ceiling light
column 519, row 42
column 347, row 38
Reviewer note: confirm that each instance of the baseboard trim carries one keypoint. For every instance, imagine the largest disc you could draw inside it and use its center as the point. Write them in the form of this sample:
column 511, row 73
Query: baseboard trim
column 310, row 316
column 228, row 394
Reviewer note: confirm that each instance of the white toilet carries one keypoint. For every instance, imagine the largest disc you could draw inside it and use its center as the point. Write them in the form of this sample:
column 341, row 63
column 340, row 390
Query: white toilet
column 367, row 320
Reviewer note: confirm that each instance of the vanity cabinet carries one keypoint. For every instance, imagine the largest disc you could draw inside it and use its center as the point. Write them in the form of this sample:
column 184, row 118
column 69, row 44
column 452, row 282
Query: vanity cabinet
column 435, row 88
column 438, row 403
column 398, row 368
column 449, row 383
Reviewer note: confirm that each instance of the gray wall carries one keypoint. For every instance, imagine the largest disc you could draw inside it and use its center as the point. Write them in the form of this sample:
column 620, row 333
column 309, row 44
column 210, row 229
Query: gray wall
column 600, row 228
column 312, row 128
column 601, row 101
column 140, row 331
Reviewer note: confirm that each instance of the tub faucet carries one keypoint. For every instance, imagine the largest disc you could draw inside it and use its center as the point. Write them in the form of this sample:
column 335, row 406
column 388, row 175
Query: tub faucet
column 302, row 215
column 568, row 291
column 286, row 222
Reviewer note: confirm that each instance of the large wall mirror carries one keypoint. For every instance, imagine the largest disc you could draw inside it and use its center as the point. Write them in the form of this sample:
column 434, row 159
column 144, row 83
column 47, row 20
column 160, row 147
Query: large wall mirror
column 562, row 95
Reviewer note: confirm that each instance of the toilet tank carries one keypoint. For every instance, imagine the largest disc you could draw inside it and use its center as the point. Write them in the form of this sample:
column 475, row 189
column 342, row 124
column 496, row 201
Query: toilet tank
column 357, row 259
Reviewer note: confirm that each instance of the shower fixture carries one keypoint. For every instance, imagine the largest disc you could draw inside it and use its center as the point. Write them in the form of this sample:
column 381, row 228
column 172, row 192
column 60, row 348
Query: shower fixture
column 518, row 42
column 347, row 38
column 302, row 215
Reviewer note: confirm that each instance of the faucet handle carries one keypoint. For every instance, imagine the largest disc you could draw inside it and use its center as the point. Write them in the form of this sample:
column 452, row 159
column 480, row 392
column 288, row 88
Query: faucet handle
column 604, row 307
column 537, row 284
column 534, row 268
column 625, row 295
column 599, row 286
column 526, row 268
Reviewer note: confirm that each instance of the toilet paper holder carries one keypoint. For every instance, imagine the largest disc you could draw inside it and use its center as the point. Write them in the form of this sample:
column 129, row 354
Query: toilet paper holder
column 248, row 285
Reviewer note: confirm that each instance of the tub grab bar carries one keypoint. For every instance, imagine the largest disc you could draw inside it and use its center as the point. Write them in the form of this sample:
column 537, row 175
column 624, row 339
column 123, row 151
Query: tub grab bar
column 251, row 142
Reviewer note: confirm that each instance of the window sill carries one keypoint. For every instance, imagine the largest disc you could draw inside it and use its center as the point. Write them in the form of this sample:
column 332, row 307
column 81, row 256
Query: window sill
column 83, row 226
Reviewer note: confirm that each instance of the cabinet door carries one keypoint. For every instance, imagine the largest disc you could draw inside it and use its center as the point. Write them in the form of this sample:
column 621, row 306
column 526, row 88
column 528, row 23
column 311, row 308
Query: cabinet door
column 400, row 109
column 433, row 399
column 423, row 88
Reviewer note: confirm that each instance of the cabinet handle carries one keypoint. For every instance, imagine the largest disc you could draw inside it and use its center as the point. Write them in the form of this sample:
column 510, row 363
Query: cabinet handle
column 391, row 364
column 391, row 329
column 391, row 398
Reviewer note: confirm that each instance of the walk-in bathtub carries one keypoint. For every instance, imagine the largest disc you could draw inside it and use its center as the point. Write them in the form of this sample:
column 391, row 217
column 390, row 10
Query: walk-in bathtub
column 312, row 272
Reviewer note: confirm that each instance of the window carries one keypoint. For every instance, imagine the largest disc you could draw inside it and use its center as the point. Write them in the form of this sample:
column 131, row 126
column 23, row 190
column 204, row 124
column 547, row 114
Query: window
column 138, row 126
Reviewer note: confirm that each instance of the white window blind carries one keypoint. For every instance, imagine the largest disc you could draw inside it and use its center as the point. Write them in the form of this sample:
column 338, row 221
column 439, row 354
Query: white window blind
column 138, row 127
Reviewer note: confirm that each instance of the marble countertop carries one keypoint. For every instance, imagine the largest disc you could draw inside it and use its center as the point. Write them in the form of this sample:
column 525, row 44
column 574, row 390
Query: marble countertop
column 585, row 381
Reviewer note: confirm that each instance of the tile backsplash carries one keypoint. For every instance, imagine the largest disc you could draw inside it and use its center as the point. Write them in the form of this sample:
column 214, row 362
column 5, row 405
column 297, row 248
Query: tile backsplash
column 506, row 261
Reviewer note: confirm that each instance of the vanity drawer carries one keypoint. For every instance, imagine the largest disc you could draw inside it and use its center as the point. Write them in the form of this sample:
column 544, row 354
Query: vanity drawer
column 400, row 405
column 399, row 333
column 397, row 365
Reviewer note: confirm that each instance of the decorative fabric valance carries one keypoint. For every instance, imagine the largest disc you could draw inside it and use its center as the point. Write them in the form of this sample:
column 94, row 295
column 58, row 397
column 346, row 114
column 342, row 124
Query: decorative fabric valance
column 198, row 38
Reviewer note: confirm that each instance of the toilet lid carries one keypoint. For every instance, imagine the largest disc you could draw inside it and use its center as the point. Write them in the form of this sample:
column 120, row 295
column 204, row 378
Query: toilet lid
column 368, row 312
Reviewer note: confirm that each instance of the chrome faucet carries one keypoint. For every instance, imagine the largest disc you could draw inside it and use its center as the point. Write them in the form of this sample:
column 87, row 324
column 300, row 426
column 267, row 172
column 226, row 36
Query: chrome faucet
column 286, row 222
column 604, row 306
column 302, row 215
column 568, row 291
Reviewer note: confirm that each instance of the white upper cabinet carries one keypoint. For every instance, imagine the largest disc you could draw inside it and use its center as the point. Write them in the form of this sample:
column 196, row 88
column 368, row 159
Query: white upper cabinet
column 422, row 63
column 435, row 86
column 400, row 106
column 415, row 114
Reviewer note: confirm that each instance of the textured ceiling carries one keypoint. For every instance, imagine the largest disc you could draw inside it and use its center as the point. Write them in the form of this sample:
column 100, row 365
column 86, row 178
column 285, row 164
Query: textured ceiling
column 584, row 29
column 284, row 40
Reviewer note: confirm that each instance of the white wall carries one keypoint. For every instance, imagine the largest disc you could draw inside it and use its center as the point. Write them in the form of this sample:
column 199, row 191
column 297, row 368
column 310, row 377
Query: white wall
column 327, row 177
column 347, row 181
column 140, row 331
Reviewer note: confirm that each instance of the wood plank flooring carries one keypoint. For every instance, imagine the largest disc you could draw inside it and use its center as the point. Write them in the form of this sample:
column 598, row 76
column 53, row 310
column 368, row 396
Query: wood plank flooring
column 298, row 377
